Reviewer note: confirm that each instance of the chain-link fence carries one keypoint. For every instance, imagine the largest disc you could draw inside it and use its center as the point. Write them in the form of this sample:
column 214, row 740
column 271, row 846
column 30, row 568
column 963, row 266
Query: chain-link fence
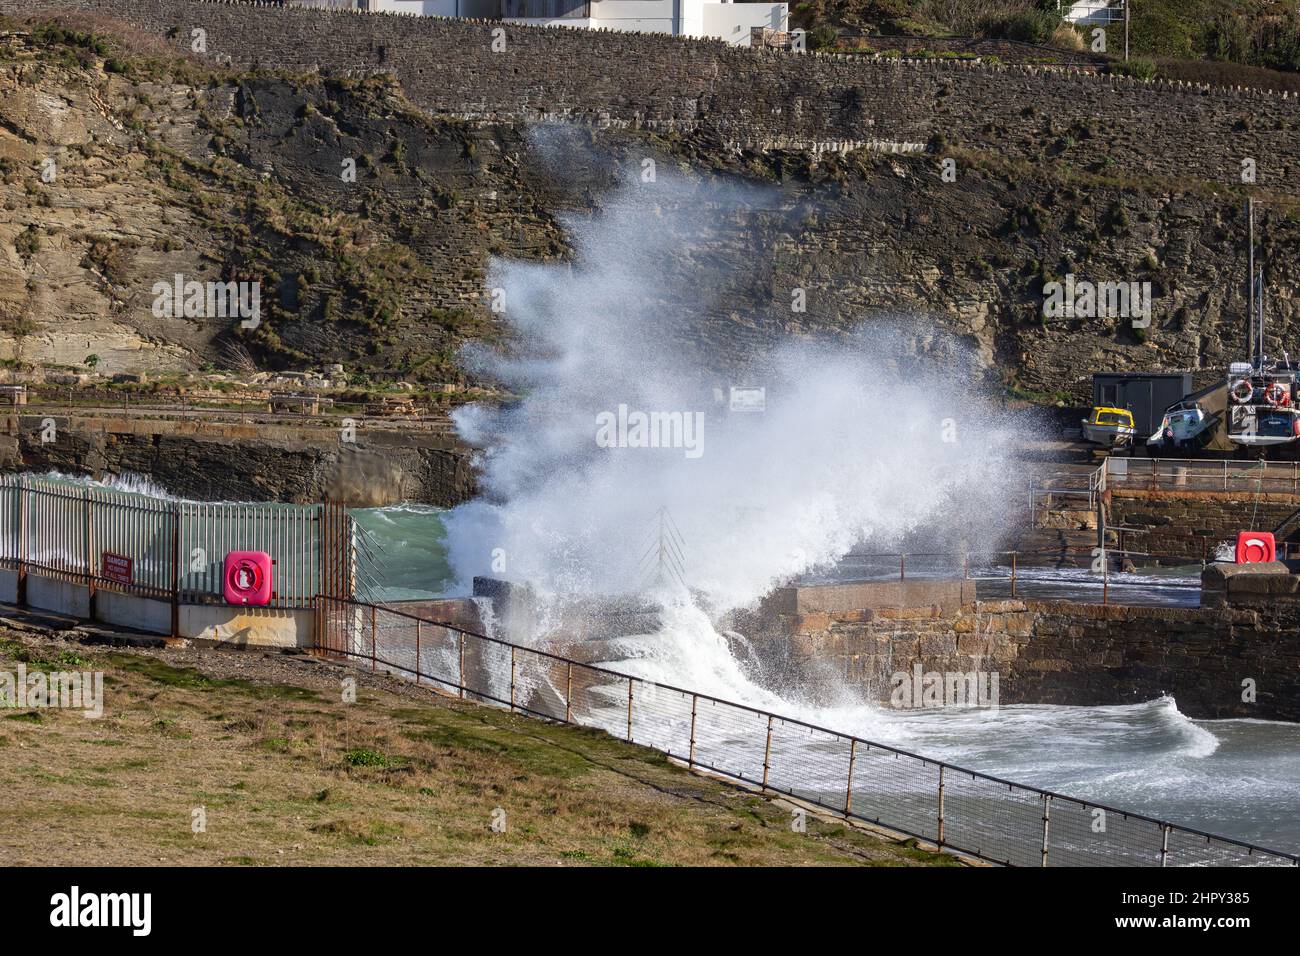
column 970, row 812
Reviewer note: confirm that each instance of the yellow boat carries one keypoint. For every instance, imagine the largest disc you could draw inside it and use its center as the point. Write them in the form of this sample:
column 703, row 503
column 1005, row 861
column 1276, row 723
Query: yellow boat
column 1112, row 427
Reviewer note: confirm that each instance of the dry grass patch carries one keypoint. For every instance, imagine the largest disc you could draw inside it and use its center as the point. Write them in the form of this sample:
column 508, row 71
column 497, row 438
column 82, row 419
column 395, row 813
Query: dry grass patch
column 285, row 772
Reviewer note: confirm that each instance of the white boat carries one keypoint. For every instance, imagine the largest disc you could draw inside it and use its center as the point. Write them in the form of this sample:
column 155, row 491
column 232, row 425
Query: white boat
column 1184, row 426
column 1262, row 393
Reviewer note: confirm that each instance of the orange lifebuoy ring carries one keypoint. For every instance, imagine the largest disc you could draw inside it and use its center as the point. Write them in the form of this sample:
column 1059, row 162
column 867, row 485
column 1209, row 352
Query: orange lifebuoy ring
column 1278, row 395
column 1240, row 396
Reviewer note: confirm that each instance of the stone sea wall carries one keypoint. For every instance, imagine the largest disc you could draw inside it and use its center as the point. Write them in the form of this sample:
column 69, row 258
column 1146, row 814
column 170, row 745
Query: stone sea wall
column 1057, row 652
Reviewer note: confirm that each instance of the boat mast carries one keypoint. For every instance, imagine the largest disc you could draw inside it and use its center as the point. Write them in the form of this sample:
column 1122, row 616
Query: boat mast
column 1250, row 283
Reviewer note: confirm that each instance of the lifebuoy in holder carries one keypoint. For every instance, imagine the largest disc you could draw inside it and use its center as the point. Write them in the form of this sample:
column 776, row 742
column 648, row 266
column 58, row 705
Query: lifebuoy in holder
column 1278, row 395
column 1254, row 547
column 1242, row 390
column 247, row 578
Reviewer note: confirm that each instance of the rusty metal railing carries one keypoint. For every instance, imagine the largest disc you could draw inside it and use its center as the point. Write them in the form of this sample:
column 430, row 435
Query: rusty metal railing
column 959, row 809
column 110, row 540
column 1191, row 474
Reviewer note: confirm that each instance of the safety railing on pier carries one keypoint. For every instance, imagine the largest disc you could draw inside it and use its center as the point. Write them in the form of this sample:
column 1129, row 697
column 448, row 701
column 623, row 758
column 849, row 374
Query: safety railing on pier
column 1185, row 474
column 1068, row 488
column 110, row 540
column 959, row 809
column 1085, row 575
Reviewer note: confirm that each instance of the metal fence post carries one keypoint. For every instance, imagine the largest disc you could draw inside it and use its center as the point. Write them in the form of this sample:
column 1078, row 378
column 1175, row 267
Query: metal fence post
column 176, row 569
column 848, row 784
column 767, row 751
column 23, row 518
column 940, row 840
column 512, row 678
column 419, row 626
column 462, row 664
column 690, row 758
column 1013, row 574
column 1164, row 844
column 89, row 543
column 1047, row 803
column 568, row 695
column 374, row 637
column 629, row 708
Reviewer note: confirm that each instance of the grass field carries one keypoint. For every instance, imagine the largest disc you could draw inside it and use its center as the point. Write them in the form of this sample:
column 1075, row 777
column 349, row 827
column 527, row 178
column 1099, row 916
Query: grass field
column 285, row 772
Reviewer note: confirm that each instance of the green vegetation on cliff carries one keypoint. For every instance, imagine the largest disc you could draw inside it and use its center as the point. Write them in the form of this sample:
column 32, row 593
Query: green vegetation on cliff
column 1257, row 33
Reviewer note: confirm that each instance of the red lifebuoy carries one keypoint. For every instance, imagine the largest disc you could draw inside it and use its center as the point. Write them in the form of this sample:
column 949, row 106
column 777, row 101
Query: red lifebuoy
column 247, row 578
column 1278, row 395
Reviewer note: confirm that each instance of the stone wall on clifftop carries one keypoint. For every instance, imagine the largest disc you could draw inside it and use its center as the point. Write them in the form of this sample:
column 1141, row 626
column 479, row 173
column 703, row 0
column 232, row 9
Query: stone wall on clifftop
column 764, row 99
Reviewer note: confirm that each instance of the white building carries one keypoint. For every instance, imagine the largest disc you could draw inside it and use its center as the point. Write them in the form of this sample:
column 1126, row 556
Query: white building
column 693, row 18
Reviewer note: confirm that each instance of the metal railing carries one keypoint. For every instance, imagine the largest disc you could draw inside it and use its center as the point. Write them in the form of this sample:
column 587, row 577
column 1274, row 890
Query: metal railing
column 1016, row 574
column 132, row 543
column 956, row 808
column 1080, row 489
column 228, row 410
column 1186, row 474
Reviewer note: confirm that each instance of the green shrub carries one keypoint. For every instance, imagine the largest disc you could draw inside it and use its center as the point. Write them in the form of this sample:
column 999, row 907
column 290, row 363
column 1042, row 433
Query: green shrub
column 823, row 37
column 1139, row 67
column 1028, row 26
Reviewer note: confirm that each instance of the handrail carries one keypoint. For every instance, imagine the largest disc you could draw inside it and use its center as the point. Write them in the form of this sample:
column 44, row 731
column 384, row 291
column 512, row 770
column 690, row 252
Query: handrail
column 324, row 602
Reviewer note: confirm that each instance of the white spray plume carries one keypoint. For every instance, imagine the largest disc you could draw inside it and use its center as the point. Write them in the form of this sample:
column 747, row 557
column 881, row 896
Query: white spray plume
column 860, row 441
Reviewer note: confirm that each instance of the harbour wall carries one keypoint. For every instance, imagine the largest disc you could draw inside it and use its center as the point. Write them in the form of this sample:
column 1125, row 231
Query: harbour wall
column 747, row 97
column 1211, row 660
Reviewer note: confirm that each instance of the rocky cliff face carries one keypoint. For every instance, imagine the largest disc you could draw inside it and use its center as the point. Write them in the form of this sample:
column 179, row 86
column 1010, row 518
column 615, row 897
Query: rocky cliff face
column 165, row 166
column 255, row 462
